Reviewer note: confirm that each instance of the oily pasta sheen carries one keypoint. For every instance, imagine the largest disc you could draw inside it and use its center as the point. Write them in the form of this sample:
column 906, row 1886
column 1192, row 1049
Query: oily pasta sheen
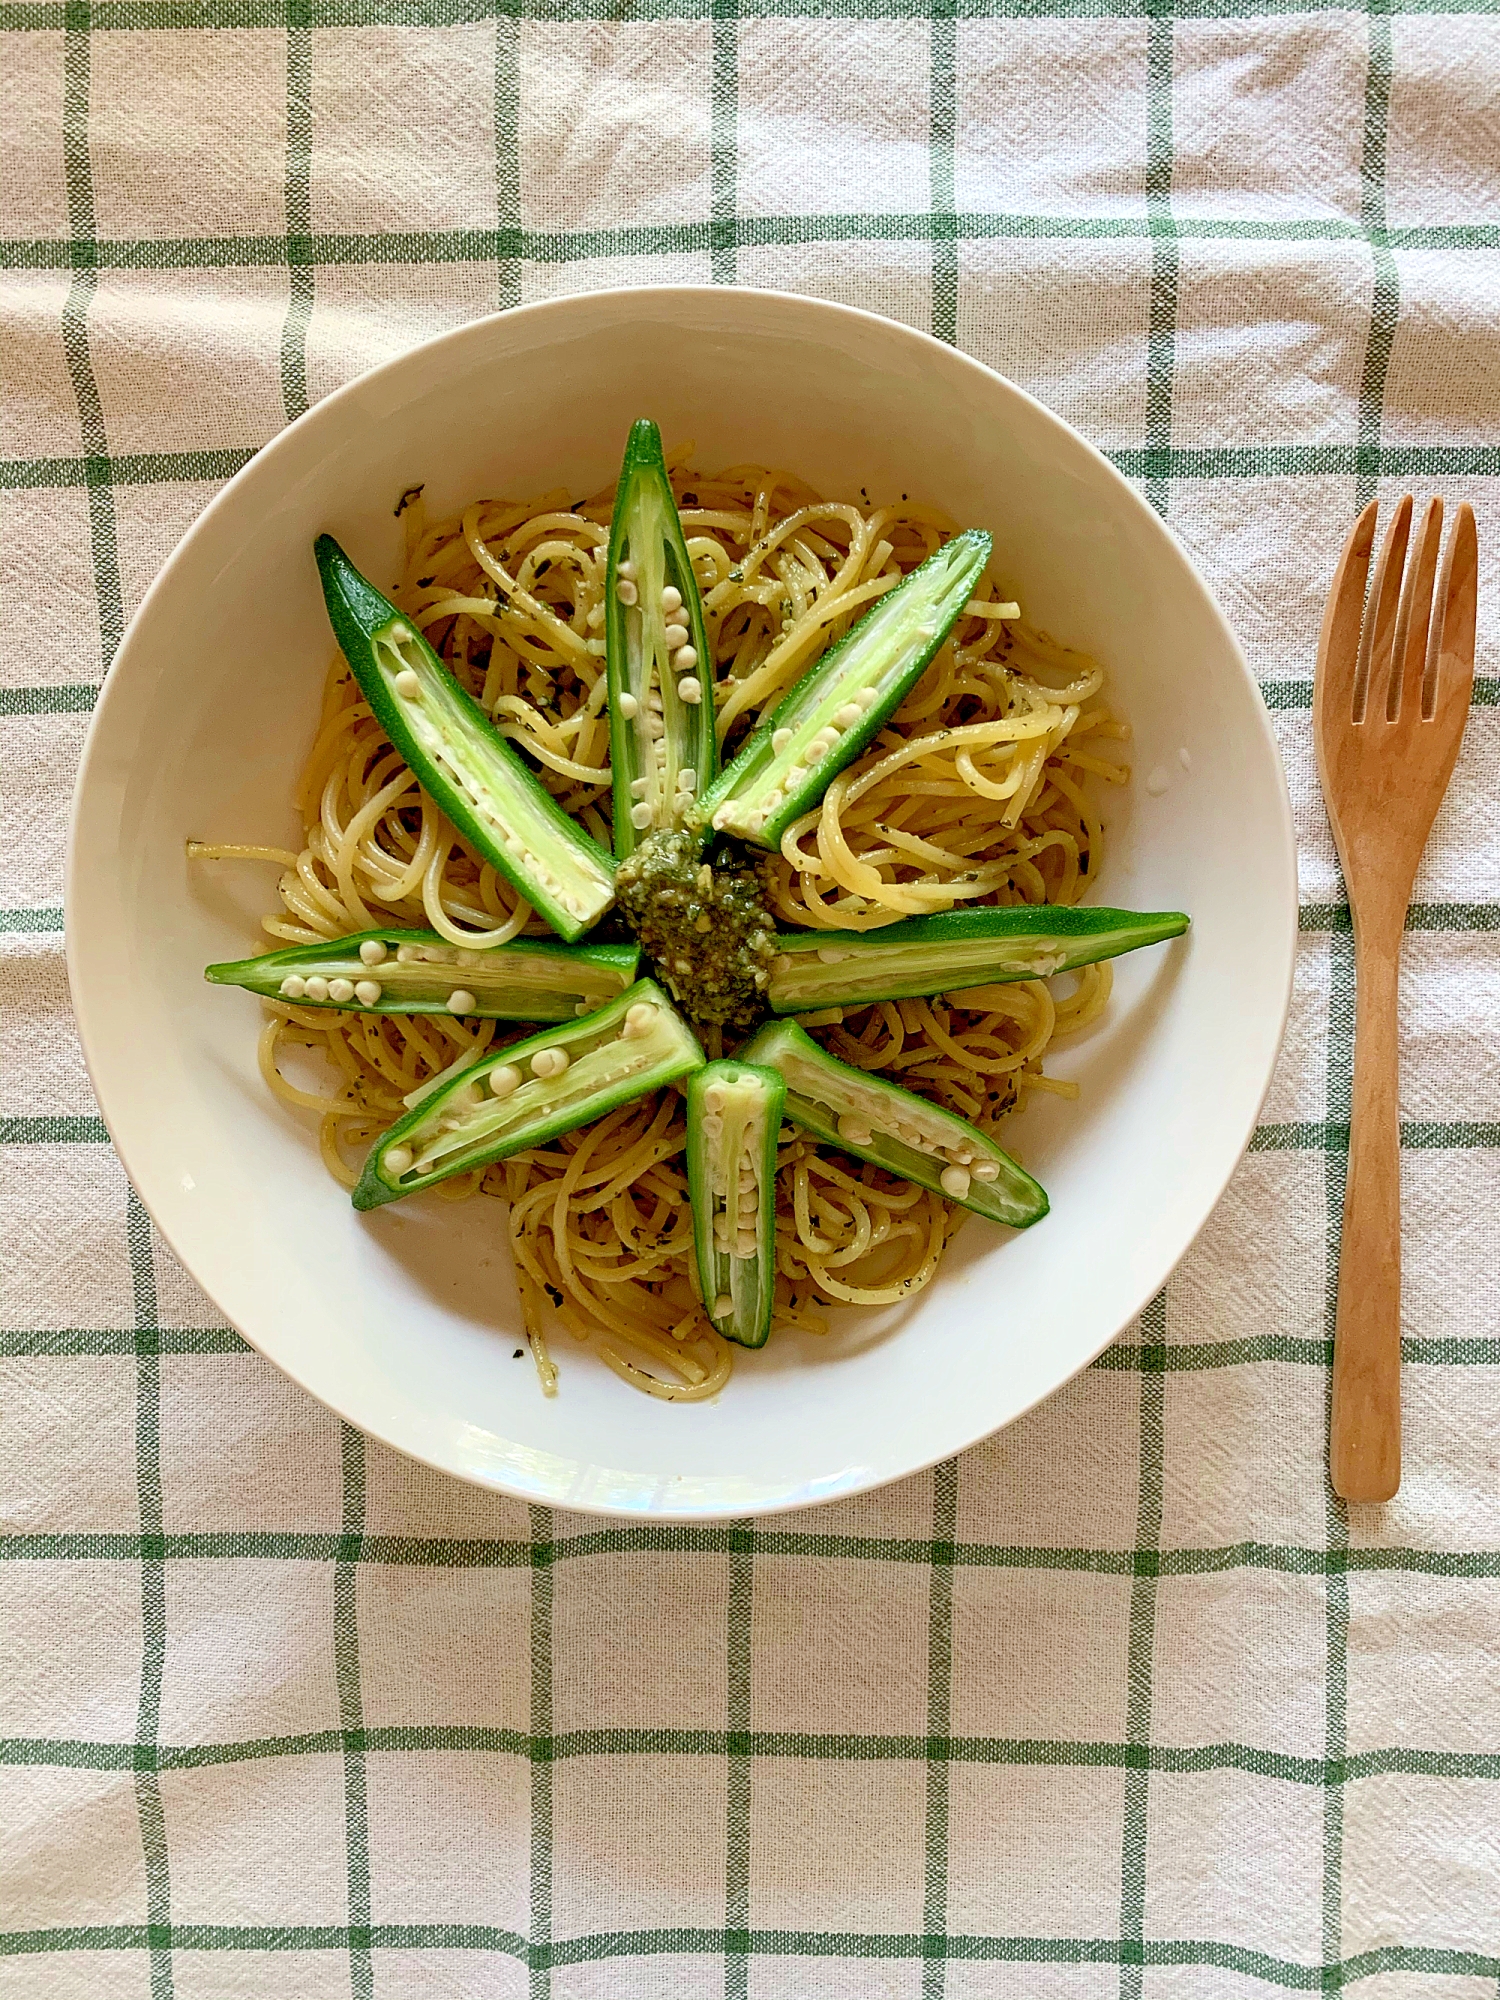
column 978, row 791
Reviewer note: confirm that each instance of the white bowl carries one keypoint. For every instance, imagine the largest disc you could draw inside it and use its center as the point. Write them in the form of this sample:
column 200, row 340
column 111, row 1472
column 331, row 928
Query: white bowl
column 404, row 1321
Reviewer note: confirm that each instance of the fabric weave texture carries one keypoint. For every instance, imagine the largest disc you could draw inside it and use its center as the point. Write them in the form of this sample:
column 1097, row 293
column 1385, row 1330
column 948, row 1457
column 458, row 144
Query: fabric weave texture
column 1122, row 1703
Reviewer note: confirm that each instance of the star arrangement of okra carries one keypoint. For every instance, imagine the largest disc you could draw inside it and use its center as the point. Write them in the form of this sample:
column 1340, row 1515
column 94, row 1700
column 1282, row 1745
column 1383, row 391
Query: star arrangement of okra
column 689, row 843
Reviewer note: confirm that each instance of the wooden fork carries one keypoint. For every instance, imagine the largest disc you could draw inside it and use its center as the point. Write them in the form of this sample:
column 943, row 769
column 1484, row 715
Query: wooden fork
column 1392, row 691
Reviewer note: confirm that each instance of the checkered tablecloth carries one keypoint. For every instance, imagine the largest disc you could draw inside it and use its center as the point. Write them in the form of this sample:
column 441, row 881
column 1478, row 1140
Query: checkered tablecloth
column 1119, row 1704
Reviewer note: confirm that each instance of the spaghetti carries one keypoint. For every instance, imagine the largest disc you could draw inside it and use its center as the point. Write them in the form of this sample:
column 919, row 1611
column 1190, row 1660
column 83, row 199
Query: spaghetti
column 977, row 791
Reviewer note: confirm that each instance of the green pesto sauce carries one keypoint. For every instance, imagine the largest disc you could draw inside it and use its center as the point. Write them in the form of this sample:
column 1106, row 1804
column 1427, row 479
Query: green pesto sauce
column 706, row 923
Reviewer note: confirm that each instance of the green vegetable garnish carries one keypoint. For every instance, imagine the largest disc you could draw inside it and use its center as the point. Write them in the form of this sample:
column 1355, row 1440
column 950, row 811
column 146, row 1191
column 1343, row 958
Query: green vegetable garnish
column 878, row 1121
column 661, row 688
column 460, row 760
column 531, row 1092
column 839, row 704
column 393, row 971
column 734, row 1115
column 959, row 948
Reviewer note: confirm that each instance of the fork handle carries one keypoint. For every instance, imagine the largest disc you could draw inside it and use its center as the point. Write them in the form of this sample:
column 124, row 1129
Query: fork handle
column 1365, row 1436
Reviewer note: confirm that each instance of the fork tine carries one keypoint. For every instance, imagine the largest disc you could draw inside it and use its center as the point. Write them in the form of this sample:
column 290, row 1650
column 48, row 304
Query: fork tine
column 1450, row 657
column 1409, row 659
column 1338, row 644
column 1378, row 639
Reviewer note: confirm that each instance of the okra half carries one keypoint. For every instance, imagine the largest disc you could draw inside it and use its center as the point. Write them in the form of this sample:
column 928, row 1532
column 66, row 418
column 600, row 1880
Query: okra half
column 662, row 746
column 878, row 1121
column 500, row 807
column 733, row 1117
column 959, row 948
column 417, row 972
column 531, row 1092
column 824, row 722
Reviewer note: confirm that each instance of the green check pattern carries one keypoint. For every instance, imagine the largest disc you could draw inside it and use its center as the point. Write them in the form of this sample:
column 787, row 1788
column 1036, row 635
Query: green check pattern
column 1122, row 1703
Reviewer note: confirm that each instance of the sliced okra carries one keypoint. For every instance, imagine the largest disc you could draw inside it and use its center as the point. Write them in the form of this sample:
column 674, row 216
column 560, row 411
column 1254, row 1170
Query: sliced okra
column 533, row 1091
column 661, row 691
column 839, row 704
column 734, row 1113
column 416, row 972
column 459, row 758
column 879, row 1121
column 958, row 948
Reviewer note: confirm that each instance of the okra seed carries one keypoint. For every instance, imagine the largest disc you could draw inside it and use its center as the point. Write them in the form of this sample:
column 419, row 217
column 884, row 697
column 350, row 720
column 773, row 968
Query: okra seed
column 676, row 635
column 687, row 780
column 626, row 570
column 715, row 1097
column 987, row 1170
column 744, row 1243
column 954, row 1181
column 398, row 1159
column 367, row 992
column 629, row 707
column 372, row 951
column 638, row 787
column 653, row 697
column 293, row 986
column 408, row 685
column 671, row 599
column 782, row 962
column 825, row 740
column 640, row 815
column 830, row 954
column 626, row 591
column 848, row 715
column 408, row 954
column 684, row 659
column 504, row 1080
column 780, row 739
column 690, row 690
column 721, row 819
column 855, row 1131
column 638, row 1020
column 723, row 1305
column 549, row 1062
column 461, row 1001
column 867, row 697
column 317, row 987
